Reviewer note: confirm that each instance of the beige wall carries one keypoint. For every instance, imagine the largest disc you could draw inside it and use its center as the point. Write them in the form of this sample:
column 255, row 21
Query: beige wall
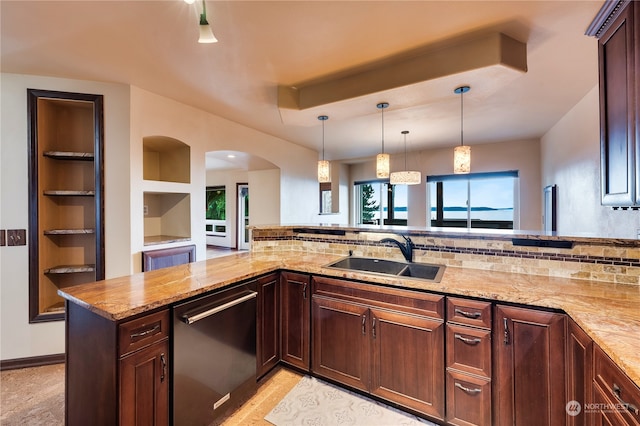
column 18, row 337
column 571, row 160
column 523, row 156
column 296, row 184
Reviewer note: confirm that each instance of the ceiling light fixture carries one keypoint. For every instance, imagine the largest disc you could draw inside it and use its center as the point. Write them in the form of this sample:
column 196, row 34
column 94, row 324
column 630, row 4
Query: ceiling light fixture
column 206, row 33
column 382, row 159
column 462, row 154
column 405, row 177
column 324, row 168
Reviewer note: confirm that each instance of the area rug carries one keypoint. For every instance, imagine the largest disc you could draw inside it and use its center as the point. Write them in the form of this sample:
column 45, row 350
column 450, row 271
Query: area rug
column 315, row 402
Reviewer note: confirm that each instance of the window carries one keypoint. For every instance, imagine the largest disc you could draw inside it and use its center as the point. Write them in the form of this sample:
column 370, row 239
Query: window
column 378, row 201
column 216, row 203
column 478, row 200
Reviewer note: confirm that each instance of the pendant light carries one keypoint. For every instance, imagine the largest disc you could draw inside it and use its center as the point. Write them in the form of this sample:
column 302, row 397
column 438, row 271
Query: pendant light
column 324, row 168
column 206, row 33
column 405, row 177
column 462, row 154
column 382, row 159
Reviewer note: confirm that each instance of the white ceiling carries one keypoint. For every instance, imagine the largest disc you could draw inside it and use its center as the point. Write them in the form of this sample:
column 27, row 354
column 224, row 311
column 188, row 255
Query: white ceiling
column 264, row 44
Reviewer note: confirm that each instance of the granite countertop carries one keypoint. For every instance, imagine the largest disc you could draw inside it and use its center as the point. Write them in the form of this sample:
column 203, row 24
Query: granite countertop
column 609, row 313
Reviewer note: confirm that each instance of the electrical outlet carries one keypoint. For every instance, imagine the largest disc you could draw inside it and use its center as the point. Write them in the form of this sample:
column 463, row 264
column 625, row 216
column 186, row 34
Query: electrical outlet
column 146, row 210
column 638, row 233
column 16, row 237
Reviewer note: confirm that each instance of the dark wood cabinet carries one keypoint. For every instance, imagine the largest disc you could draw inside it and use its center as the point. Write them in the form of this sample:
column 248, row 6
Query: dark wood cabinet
column 469, row 362
column 117, row 373
column 617, row 27
column 529, row 377
column 579, row 373
column 341, row 350
column 295, row 306
column 268, row 324
column 384, row 341
column 617, row 396
column 144, row 386
column 66, row 230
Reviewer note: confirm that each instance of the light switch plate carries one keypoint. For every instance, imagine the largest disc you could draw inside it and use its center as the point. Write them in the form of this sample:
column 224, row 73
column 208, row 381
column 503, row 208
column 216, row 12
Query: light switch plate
column 16, row 237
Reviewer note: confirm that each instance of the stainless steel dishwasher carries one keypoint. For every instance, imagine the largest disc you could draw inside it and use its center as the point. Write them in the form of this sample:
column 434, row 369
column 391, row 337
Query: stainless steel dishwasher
column 214, row 354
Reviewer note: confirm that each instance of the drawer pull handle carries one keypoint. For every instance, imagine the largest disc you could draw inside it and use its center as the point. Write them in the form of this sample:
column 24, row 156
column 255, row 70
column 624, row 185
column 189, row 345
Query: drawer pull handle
column 467, row 340
column 364, row 325
column 630, row 407
column 467, row 314
column 304, row 291
column 468, row 390
column 163, row 361
column 373, row 327
column 145, row 333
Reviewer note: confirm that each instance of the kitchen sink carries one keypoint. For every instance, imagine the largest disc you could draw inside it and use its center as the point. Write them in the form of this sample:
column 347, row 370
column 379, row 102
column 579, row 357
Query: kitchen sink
column 423, row 271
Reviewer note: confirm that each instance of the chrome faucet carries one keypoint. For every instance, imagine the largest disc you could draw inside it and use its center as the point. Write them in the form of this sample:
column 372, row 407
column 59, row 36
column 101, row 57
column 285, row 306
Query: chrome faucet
column 406, row 248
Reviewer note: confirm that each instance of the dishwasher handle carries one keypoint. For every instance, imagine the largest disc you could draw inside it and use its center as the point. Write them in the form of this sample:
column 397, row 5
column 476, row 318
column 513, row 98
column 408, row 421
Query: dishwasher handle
column 191, row 318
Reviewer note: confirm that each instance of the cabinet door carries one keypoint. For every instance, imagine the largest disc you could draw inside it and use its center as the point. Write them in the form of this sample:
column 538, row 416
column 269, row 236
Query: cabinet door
column 529, row 382
column 341, row 349
column 617, row 110
column 408, row 360
column 295, row 310
column 268, row 321
column 144, row 386
column 579, row 372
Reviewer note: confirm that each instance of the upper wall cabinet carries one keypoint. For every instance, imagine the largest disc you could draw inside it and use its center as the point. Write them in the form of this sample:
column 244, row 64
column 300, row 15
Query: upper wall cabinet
column 66, row 244
column 617, row 27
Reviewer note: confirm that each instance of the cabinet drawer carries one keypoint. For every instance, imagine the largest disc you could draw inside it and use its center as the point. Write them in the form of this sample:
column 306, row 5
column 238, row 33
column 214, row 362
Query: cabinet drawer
column 470, row 312
column 469, row 349
column 140, row 332
column 409, row 301
column 468, row 400
column 617, row 387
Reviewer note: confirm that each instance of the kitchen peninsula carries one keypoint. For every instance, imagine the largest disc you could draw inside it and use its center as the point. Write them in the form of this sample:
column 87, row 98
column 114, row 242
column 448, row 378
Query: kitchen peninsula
column 593, row 281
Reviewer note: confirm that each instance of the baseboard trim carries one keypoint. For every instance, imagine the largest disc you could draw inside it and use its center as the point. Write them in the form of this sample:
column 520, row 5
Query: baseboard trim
column 32, row 361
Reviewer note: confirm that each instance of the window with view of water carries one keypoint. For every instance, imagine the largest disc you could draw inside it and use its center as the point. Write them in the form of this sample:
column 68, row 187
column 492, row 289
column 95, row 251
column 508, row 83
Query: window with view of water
column 480, row 200
column 378, row 202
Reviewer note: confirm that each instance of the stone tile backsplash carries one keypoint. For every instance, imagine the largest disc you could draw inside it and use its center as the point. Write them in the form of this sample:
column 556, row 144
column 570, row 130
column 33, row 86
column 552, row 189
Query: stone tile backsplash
column 589, row 261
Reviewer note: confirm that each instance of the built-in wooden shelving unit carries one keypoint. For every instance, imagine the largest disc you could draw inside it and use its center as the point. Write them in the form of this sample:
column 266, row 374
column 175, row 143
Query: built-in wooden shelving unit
column 66, row 243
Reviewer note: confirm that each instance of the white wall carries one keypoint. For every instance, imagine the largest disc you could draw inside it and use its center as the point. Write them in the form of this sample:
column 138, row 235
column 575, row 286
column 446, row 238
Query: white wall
column 571, row 160
column 523, row 156
column 265, row 188
column 19, row 338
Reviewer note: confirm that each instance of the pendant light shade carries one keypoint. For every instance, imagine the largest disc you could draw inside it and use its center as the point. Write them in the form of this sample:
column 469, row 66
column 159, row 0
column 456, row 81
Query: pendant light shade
column 382, row 159
column 324, row 167
column 206, row 33
column 405, row 177
column 462, row 154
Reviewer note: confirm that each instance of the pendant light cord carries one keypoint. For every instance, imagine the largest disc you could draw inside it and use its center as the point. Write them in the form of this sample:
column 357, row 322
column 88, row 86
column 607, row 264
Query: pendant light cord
column 323, row 140
column 382, row 110
column 461, row 118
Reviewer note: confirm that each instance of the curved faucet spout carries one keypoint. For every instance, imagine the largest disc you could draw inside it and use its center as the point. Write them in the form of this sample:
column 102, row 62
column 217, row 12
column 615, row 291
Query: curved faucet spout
column 406, row 248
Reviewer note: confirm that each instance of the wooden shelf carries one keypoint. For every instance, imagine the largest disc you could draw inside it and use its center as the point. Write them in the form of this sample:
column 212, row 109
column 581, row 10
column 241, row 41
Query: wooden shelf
column 163, row 239
column 69, row 155
column 69, row 231
column 69, row 193
column 55, row 308
column 70, row 269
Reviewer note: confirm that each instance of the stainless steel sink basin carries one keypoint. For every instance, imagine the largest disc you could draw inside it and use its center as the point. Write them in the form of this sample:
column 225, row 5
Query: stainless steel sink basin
column 423, row 271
